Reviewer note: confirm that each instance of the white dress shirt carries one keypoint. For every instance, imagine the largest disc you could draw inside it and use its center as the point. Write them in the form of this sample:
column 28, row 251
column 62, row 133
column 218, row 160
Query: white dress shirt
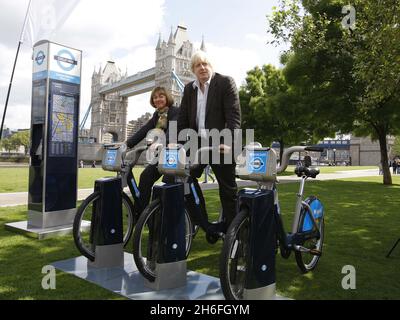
column 201, row 106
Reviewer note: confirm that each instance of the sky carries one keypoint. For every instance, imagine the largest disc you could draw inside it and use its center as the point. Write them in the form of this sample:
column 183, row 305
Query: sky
column 126, row 32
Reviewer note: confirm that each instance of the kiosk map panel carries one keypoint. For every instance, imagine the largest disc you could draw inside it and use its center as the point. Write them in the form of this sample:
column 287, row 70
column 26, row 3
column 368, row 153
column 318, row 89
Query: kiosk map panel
column 63, row 106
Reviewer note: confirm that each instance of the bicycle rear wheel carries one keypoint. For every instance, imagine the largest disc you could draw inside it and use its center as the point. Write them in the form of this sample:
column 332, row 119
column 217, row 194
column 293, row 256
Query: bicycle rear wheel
column 307, row 261
column 144, row 245
column 233, row 260
column 85, row 214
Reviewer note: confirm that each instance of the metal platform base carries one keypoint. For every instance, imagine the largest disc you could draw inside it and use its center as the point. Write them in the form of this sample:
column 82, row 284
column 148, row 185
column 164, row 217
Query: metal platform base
column 39, row 233
column 128, row 282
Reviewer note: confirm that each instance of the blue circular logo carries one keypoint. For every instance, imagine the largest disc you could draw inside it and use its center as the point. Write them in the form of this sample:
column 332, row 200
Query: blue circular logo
column 40, row 58
column 66, row 60
column 171, row 161
column 256, row 164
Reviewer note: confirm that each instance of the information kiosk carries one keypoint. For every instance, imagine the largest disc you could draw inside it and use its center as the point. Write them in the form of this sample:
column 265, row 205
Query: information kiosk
column 54, row 135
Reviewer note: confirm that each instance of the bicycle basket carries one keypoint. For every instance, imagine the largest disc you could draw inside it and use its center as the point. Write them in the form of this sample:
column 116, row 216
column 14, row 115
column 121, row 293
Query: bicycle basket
column 172, row 161
column 112, row 157
column 256, row 164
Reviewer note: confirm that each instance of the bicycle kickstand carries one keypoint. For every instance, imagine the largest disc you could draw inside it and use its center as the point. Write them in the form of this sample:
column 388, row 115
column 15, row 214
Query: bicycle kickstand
column 391, row 250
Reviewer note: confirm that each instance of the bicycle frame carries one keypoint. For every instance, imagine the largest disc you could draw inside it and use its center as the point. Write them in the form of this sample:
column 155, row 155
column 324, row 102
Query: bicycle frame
column 193, row 206
column 290, row 241
column 128, row 179
column 182, row 175
column 125, row 172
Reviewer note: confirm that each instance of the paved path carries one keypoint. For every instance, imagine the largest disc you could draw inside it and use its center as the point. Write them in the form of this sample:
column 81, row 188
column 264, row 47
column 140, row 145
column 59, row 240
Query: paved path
column 14, row 165
column 21, row 198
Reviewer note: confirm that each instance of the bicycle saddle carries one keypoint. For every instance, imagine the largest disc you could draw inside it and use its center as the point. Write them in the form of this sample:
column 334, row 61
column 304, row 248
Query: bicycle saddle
column 306, row 171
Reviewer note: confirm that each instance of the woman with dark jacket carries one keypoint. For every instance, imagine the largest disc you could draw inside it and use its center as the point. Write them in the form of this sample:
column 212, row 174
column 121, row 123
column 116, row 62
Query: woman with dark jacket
column 165, row 112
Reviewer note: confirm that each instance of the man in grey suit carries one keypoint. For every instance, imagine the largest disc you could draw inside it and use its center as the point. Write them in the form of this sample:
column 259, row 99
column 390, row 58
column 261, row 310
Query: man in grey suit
column 212, row 102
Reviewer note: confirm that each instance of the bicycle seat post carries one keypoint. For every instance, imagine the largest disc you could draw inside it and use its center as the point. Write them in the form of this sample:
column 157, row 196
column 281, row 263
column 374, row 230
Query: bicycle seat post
column 299, row 202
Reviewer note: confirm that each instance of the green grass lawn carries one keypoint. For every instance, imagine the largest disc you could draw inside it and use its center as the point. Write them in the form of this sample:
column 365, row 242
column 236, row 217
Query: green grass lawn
column 16, row 179
column 327, row 169
column 362, row 223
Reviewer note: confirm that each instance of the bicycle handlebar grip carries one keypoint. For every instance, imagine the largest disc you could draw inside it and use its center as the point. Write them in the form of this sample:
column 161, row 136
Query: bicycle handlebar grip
column 316, row 149
column 109, row 145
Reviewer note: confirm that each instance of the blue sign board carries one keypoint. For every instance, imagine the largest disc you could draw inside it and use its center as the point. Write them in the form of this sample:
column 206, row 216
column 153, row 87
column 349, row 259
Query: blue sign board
column 257, row 162
column 111, row 156
column 171, row 157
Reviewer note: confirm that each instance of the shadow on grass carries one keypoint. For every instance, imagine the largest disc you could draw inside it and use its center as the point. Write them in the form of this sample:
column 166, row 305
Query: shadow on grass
column 362, row 223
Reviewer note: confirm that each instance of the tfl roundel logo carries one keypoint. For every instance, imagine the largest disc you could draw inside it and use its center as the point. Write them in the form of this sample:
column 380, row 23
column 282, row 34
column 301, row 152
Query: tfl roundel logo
column 40, row 58
column 256, row 164
column 171, row 161
column 65, row 60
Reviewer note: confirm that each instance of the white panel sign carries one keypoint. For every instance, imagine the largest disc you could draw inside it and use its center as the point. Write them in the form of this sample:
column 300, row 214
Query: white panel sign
column 40, row 61
column 65, row 63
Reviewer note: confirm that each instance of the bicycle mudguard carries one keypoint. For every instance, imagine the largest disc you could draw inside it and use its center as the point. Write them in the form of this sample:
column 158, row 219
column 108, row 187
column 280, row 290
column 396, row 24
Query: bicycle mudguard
column 317, row 209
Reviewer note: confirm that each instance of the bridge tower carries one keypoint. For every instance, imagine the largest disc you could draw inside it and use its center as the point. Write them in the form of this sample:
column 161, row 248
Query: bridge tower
column 109, row 111
column 174, row 56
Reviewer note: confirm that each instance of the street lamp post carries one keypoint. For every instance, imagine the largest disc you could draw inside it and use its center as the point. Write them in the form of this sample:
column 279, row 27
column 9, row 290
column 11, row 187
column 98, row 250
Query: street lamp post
column 334, row 157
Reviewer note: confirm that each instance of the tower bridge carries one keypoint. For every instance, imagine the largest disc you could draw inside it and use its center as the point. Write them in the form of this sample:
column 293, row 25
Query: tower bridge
column 111, row 88
column 136, row 84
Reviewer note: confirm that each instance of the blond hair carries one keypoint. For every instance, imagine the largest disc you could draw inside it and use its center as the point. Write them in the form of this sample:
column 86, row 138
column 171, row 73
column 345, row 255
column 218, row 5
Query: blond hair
column 199, row 56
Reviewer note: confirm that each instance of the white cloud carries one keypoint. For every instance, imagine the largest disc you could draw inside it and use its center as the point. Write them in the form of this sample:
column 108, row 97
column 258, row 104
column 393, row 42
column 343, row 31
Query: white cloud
column 106, row 27
column 234, row 62
column 124, row 31
column 262, row 39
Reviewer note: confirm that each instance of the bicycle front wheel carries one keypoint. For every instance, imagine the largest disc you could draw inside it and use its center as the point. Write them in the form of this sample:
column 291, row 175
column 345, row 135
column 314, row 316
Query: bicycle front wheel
column 85, row 218
column 306, row 261
column 145, row 245
column 233, row 260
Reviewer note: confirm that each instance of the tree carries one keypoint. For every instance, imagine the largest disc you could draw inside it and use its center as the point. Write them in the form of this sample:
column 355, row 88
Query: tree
column 273, row 109
column 396, row 147
column 349, row 76
column 8, row 144
column 22, row 138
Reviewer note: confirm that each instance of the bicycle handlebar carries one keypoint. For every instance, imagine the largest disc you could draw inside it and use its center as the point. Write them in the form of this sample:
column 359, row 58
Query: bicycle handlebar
column 134, row 154
column 284, row 161
column 288, row 152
